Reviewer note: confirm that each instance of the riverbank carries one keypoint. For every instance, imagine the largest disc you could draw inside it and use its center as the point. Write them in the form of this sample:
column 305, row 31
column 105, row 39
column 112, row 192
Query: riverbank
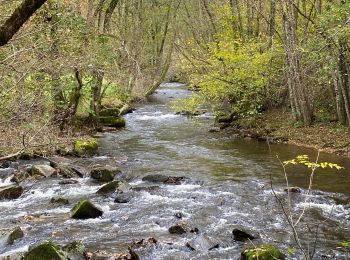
column 278, row 127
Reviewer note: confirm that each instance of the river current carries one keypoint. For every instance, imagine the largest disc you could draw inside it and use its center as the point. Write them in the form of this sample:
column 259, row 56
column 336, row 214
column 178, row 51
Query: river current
column 229, row 184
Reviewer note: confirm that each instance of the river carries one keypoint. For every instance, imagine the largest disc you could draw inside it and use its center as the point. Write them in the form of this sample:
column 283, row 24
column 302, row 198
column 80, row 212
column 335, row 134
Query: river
column 228, row 184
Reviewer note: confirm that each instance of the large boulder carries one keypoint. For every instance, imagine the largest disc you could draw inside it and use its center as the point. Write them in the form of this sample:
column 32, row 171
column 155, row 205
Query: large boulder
column 84, row 209
column 109, row 187
column 86, row 146
column 11, row 192
column 112, row 121
column 104, row 173
column 42, row 170
column 202, row 243
column 109, row 111
column 46, row 251
column 262, row 252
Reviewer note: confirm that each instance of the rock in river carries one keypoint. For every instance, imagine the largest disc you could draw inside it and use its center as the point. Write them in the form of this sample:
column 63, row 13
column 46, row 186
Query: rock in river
column 11, row 192
column 202, row 243
column 158, row 178
column 84, row 209
column 262, row 252
column 179, row 229
column 109, row 187
column 42, row 170
column 59, row 200
column 46, row 251
column 241, row 234
column 123, row 198
column 104, row 173
column 9, row 237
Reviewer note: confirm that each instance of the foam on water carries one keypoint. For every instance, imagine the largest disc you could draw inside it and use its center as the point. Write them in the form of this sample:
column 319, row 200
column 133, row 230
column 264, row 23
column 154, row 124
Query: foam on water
column 327, row 209
column 6, row 182
column 157, row 117
column 15, row 251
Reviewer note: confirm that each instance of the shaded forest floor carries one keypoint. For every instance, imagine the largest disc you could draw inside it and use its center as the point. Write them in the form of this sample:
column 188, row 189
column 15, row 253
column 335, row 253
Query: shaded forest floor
column 325, row 136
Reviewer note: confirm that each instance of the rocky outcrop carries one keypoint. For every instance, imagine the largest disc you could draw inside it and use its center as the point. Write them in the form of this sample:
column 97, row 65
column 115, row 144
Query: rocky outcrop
column 109, row 187
column 84, row 209
column 104, row 173
column 11, row 192
column 262, row 252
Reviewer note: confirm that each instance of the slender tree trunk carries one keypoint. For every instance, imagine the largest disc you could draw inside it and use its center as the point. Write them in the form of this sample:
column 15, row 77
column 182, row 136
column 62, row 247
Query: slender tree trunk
column 18, row 18
column 107, row 22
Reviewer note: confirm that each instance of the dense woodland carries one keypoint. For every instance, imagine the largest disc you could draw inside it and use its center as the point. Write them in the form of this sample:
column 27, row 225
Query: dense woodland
column 72, row 59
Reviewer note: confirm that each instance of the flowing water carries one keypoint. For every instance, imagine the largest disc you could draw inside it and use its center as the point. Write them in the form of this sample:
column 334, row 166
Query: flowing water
column 228, row 184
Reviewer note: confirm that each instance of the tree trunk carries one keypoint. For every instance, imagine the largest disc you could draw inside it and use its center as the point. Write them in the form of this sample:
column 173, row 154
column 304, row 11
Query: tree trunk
column 108, row 16
column 18, row 18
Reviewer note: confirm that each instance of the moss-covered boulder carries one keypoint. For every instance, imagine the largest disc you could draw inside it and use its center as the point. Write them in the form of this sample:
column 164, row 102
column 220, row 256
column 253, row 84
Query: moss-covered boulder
column 59, row 200
column 112, row 121
column 8, row 237
column 84, row 209
column 109, row 187
column 109, row 111
column 104, row 173
column 262, row 252
column 46, row 251
column 15, row 234
column 11, row 192
column 222, row 117
column 86, row 146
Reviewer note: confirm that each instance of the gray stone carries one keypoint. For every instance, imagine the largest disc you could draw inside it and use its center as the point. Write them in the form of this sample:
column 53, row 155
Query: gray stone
column 42, row 170
column 203, row 243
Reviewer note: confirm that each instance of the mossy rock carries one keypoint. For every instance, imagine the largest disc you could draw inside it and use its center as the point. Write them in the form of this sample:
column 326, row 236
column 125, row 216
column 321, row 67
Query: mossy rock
column 15, row 234
column 112, row 121
column 109, row 187
column 84, row 209
column 262, row 252
column 109, row 112
column 59, row 200
column 86, row 146
column 46, row 251
column 222, row 117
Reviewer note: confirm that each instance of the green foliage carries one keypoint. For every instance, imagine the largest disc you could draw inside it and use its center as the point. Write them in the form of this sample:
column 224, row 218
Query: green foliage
column 344, row 244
